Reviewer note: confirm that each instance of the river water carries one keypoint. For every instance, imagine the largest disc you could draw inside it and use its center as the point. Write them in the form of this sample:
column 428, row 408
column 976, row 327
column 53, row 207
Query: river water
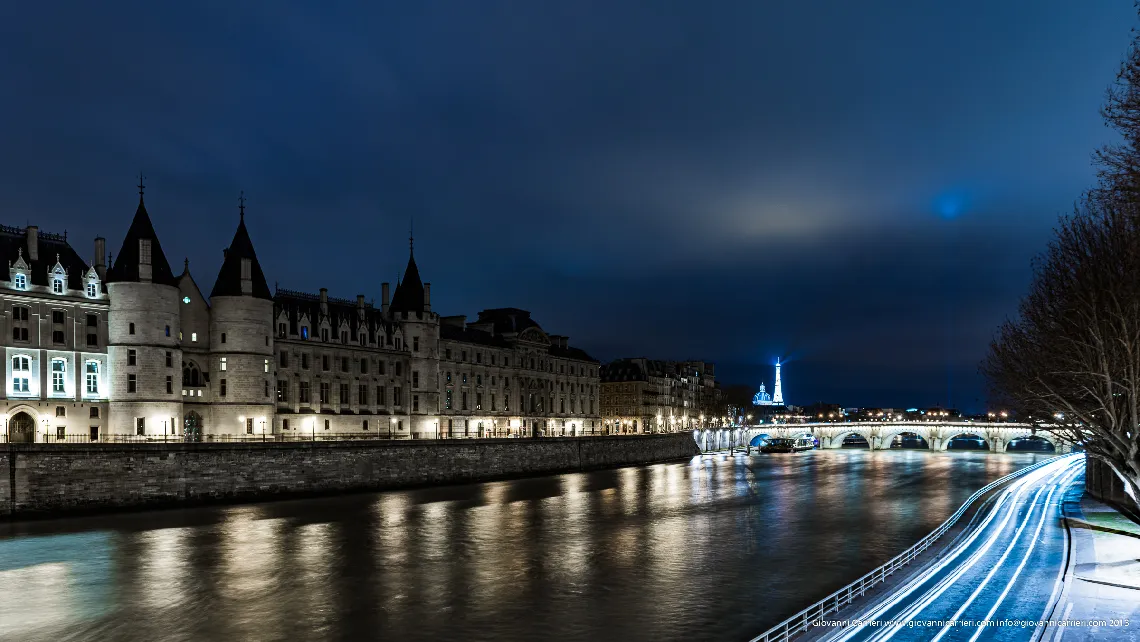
column 717, row 548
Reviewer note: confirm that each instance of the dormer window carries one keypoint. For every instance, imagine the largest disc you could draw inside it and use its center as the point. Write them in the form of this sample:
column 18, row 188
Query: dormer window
column 57, row 285
column 304, row 332
column 21, row 281
column 92, row 289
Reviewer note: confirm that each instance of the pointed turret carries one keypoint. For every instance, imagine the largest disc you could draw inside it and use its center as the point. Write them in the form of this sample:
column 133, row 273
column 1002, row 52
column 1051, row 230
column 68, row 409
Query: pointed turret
column 141, row 257
column 241, row 273
column 409, row 295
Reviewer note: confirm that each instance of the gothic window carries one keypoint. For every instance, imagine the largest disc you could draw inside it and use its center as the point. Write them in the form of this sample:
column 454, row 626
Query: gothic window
column 58, row 375
column 57, row 286
column 144, row 251
column 21, row 281
column 191, row 375
column 304, row 332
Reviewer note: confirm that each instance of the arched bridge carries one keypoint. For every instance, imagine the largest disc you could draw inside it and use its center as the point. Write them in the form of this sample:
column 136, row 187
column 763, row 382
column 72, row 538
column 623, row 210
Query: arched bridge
column 879, row 435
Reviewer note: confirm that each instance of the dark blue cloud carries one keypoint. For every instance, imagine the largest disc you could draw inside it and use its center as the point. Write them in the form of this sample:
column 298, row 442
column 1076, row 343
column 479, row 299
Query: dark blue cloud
column 859, row 186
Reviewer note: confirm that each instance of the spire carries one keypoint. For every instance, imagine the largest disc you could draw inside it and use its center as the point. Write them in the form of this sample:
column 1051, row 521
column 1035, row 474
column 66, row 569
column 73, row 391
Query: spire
column 777, row 389
column 141, row 258
column 409, row 294
column 411, row 237
column 241, row 273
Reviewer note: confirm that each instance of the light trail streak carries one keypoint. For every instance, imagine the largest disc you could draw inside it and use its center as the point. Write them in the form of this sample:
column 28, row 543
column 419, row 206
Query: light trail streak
column 1014, row 494
column 913, row 585
column 1040, row 524
column 950, row 580
column 1013, row 542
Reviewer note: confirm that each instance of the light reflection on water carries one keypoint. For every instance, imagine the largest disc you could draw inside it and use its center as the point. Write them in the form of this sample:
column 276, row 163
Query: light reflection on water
column 715, row 548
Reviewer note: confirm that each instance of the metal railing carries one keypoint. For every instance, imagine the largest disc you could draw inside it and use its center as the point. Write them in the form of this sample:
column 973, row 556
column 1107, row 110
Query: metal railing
column 800, row 622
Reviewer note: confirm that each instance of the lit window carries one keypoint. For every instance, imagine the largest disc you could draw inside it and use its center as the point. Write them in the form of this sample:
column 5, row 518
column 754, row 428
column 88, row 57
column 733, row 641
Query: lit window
column 186, row 299
column 92, row 377
column 222, row 365
column 304, row 332
column 193, row 336
column 57, row 286
column 267, row 365
column 21, row 373
column 92, row 290
column 58, row 374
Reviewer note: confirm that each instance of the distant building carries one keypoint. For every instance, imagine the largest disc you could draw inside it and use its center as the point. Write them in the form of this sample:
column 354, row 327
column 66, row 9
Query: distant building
column 762, row 398
column 642, row 395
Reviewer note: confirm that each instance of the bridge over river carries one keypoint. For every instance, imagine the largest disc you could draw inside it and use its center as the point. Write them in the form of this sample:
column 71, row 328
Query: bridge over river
column 879, row 435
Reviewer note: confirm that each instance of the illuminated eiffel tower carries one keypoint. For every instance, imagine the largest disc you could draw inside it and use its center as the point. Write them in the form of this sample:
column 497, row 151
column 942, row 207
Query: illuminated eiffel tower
column 777, row 390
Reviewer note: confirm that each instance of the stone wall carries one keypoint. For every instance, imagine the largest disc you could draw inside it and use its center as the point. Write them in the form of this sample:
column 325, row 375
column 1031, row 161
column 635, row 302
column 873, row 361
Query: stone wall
column 47, row 479
column 1103, row 484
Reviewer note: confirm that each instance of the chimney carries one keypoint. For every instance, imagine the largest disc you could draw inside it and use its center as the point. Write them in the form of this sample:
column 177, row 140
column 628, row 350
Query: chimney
column 324, row 300
column 33, row 233
column 246, row 276
column 427, row 297
column 360, row 301
column 100, row 256
column 384, row 298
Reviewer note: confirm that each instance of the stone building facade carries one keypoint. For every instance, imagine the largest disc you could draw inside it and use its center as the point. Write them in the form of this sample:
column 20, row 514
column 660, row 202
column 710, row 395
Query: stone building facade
column 641, row 395
column 129, row 350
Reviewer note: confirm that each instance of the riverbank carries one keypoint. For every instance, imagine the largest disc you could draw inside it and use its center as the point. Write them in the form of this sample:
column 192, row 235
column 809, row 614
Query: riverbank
column 47, row 480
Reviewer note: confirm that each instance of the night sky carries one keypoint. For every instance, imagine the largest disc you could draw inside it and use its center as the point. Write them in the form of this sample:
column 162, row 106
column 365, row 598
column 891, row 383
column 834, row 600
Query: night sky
column 858, row 187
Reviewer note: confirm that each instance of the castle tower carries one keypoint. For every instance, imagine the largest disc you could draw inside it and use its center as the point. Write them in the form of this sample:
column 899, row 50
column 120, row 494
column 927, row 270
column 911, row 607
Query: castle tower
column 143, row 354
column 241, row 365
column 777, row 389
column 411, row 311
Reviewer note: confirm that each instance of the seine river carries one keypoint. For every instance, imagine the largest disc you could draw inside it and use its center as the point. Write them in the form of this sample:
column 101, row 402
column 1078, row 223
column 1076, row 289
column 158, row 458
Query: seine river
column 717, row 548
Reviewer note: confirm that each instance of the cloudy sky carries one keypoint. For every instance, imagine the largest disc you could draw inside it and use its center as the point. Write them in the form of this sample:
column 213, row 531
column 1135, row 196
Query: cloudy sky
column 858, row 187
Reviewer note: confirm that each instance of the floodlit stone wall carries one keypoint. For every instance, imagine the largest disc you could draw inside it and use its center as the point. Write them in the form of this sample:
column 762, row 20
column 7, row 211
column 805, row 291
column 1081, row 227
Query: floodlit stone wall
column 45, row 479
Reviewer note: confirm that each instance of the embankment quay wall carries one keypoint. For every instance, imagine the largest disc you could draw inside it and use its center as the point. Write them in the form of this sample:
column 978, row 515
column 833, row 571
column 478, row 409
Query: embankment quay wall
column 42, row 479
column 1103, row 484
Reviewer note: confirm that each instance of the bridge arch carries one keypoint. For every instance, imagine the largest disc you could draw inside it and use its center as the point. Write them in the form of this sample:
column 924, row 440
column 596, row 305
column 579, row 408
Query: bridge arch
column 889, row 437
column 1029, row 437
column 836, row 438
column 986, row 439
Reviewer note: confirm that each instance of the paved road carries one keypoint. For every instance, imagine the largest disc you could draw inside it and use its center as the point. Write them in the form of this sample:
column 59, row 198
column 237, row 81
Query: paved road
column 999, row 580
